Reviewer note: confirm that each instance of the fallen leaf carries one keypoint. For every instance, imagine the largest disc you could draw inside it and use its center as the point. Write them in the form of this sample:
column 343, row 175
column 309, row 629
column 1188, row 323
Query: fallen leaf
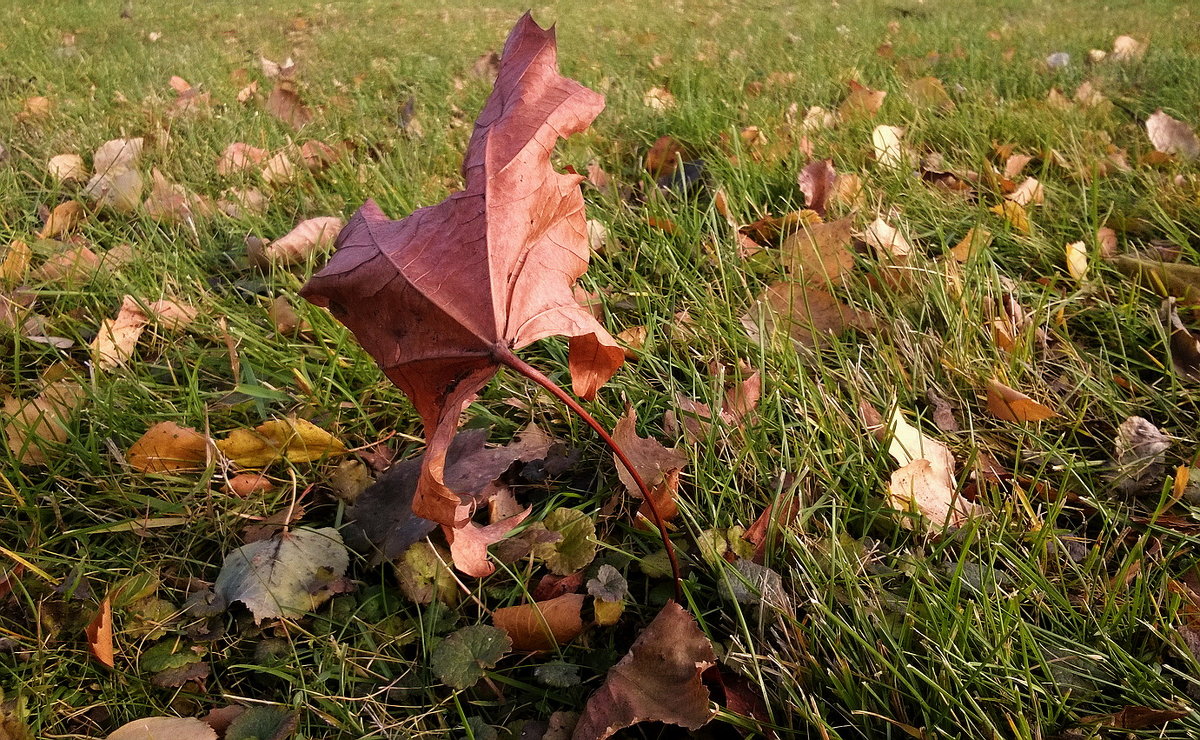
column 164, row 728
column 658, row 99
column 63, row 218
column 542, row 625
column 35, row 108
column 311, row 236
column 1128, row 49
column 862, row 102
column 924, row 483
column 294, row 439
column 929, row 92
column 284, row 318
column 117, row 338
column 166, row 446
column 888, row 142
column 816, row 181
column 1184, row 346
column 462, row 658
column 1089, row 97
column 317, row 155
column 100, row 634
column 1106, row 240
column 1014, row 213
column 279, row 170
column 1135, row 718
column 887, row 241
column 1011, row 405
column 284, row 103
column 172, row 203
column 284, row 576
column 658, row 680
column 262, row 723
column 239, row 157
column 469, row 543
column 663, row 157
column 239, row 203
column 35, row 426
column 245, row 485
column 1077, row 260
column 848, row 190
column 808, row 315
column 976, row 239
column 444, row 297
column 1177, row 279
column 653, row 461
column 67, row 168
column 70, row 268
column 16, row 262
column 1138, row 454
column 1171, row 136
column 172, row 315
column 575, row 548
column 247, row 93
column 1029, row 192
column 817, row 118
column 121, row 190
column 425, row 575
column 769, row 229
column 739, row 402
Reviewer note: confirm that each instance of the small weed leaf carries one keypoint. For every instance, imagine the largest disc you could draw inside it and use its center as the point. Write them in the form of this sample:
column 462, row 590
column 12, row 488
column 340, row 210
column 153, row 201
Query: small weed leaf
column 263, row 723
column 461, row 659
column 576, row 549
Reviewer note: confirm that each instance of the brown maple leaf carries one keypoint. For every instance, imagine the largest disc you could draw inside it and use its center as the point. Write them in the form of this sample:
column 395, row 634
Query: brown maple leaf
column 442, row 298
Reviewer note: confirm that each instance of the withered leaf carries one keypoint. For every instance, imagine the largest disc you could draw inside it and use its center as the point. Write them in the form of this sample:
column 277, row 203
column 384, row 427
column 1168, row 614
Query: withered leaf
column 808, row 315
column 309, row 237
column 283, row 576
column 816, row 181
column 654, row 462
column 443, row 297
column 1171, row 136
column 285, row 104
column 1185, row 347
column 542, row 625
column 469, row 543
column 167, row 446
column 658, row 680
column 1176, row 279
column 861, row 102
column 293, row 439
column 924, row 483
column 36, row 425
column 100, row 634
column 1012, row 405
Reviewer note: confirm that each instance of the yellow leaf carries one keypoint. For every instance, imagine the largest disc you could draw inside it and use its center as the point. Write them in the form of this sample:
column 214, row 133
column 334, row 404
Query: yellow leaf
column 1014, row 214
column 168, row 446
column 608, row 613
column 295, row 439
column 1077, row 260
column 977, row 238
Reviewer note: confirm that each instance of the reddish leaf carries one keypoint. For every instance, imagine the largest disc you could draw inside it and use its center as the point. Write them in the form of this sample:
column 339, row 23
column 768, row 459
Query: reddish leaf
column 443, row 297
column 284, row 103
column 542, row 625
column 663, row 157
column 658, row 680
column 100, row 635
column 658, row 465
column 469, row 543
column 816, row 182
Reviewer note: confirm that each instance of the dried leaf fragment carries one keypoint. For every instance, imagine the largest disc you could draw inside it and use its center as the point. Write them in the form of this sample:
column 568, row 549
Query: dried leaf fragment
column 888, row 142
column 861, row 102
column 239, row 157
column 310, row 237
column 1171, row 136
column 63, row 218
column 100, row 634
column 658, row 680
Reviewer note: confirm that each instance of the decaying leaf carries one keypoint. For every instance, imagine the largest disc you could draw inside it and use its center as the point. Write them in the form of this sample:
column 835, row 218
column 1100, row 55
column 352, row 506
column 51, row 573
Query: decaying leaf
column 239, row 157
column 284, row 576
column 16, row 262
column 658, row 99
column 1185, row 347
column 442, row 299
column 816, row 182
column 929, row 92
column 1011, row 405
column 1171, row 136
column 166, row 446
column 262, row 723
column 924, row 483
column 164, row 728
column 310, row 237
column 888, row 142
column 657, row 465
column 1134, row 718
column 63, row 217
column 35, row 426
column 461, row 659
column 1077, row 260
column 172, row 203
column 469, row 543
column 294, row 439
column 1138, row 454
column 542, row 625
column 819, row 254
column 658, row 680
column 862, row 102
column 67, row 168
column 808, row 315
column 424, row 574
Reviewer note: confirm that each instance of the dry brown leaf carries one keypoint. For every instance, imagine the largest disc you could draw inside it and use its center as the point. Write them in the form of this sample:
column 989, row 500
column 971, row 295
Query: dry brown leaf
column 166, row 446
column 173, row 315
column 469, row 543
column 120, row 190
column 810, row 316
column 16, row 262
column 816, row 118
column 658, row 680
column 239, row 157
column 317, row 155
column 116, row 155
column 820, row 253
column 1029, row 192
column 1171, row 136
column 284, row 318
column 279, row 170
column 311, row 236
column 632, row 340
column 653, row 461
column 1128, row 49
column 247, row 93
column 663, row 156
column 245, row 485
column 64, row 218
column 239, row 203
column 71, row 267
column 1106, row 240
column 35, row 108
column 99, row 634
column 861, row 102
column 1012, row 405
column 658, row 99
column 117, row 338
column 1089, row 97
column 977, row 238
column 1184, row 346
column 887, row 241
column 173, row 203
column 924, row 483
column 164, row 728
column 1014, row 163
column 542, row 625
column 848, row 190
column 35, row 426
column 285, row 104
column 67, row 168
column 816, row 181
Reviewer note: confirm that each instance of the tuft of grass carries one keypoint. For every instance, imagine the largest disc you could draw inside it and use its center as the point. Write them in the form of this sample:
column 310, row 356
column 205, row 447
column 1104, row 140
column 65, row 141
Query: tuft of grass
column 1061, row 602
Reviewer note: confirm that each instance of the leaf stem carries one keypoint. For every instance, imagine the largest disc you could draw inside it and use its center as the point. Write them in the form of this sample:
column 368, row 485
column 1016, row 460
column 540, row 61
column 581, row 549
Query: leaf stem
column 506, row 357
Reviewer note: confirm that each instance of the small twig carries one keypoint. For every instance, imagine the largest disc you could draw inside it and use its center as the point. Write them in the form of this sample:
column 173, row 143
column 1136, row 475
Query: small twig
column 506, row 357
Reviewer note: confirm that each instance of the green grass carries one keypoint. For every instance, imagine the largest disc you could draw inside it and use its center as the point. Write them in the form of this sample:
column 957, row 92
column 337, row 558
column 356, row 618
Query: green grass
column 1056, row 605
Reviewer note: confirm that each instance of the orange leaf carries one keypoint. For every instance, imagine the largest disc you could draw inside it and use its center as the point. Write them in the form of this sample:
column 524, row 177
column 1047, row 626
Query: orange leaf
column 542, row 625
column 167, row 446
column 1012, row 405
column 100, row 636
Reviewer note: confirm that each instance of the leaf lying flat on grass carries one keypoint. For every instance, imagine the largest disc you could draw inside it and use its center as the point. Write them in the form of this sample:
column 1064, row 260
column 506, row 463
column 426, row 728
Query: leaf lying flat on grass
column 167, row 446
column 1171, row 136
column 164, row 728
column 542, row 625
column 284, row 576
column 1012, row 405
column 36, row 425
column 461, row 659
column 293, row 439
column 658, row 680
column 810, row 316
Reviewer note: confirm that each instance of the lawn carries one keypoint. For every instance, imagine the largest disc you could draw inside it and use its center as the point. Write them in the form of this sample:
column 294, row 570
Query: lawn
column 1059, row 597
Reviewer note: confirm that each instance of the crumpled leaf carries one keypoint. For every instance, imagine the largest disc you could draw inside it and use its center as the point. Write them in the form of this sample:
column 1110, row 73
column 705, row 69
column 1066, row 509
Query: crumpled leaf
column 440, row 299
column 469, row 543
column 67, row 168
column 284, row 576
column 100, row 634
column 424, row 574
column 608, row 584
column 861, row 102
column 310, row 236
column 924, row 483
column 542, row 625
column 164, row 728
column 887, row 241
column 1138, row 452
column 167, row 446
column 658, row 680
column 464, row 656
column 808, row 315
column 577, row 546
column 659, row 466
column 1171, row 136
column 294, row 439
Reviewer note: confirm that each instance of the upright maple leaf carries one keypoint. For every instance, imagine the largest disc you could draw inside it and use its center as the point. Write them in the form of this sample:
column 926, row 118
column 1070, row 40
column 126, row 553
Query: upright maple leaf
column 442, row 298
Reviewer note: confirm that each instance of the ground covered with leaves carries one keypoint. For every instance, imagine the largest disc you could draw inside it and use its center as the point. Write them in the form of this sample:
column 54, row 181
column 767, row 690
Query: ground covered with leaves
column 905, row 296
